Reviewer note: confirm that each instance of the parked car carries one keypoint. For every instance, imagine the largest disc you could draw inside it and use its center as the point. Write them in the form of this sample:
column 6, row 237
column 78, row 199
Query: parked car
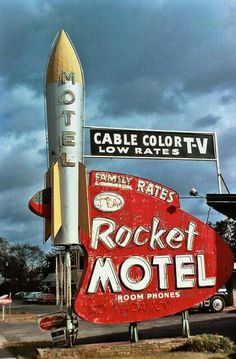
column 46, row 298
column 216, row 303
column 20, row 295
column 32, row 297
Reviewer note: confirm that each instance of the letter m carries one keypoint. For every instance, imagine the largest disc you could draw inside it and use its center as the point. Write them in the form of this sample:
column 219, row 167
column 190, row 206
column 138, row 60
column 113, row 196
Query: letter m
column 65, row 77
column 104, row 273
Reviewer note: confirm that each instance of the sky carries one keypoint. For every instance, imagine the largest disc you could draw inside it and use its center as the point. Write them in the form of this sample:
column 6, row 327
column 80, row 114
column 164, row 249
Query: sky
column 153, row 64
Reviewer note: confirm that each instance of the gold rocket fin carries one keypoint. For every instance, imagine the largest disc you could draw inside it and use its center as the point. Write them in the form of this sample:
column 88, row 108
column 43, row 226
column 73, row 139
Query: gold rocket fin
column 56, row 221
column 84, row 221
column 47, row 222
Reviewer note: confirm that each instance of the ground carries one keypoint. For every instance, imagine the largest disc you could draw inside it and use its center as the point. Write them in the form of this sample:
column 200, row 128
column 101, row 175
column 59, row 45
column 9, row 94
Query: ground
column 23, row 338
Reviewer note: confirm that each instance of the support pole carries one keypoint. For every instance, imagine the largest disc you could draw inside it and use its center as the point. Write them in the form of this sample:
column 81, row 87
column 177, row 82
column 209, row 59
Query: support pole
column 218, row 173
column 71, row 320
column 3, row 312
column 61, row 279
column 9, row 308
column 185, row 324
column 57, row 282
column 67, row 288
column 133, row 332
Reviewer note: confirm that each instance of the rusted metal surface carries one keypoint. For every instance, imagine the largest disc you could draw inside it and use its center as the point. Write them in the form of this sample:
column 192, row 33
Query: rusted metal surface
column 146, row 258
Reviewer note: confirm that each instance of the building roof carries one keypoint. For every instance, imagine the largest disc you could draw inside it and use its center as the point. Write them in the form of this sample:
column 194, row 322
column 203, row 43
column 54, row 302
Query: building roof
column 223, row 203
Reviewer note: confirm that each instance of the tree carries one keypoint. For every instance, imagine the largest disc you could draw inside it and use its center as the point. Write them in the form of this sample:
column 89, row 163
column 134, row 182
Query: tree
column 21, row 266
column 4, row 258
column 29, row 257
column 26, row 257
column 227, row 229
column 49, row 263
column 4, row 253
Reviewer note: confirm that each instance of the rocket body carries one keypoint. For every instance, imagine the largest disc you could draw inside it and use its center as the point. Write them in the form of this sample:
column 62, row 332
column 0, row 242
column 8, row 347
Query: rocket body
column 65, row 115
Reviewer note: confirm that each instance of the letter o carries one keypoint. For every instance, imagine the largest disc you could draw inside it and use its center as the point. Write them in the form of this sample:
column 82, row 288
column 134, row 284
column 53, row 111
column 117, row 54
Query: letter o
column 110, row 149
column 128, row 281
column 153, row 141
column 67, row 97
column 168, row 141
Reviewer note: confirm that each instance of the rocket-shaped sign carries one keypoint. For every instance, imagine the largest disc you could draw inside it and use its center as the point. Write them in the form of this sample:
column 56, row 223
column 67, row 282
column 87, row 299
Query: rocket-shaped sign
column 64, row 90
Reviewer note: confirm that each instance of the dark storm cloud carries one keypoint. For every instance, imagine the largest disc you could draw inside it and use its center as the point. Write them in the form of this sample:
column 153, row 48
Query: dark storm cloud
column 208, row 121
column 177, row 47
column 227, row 145
column 21, row 110
column 22, row 231
column 22, row 162
column 227, row 99
column 140, row 96
column 12, row 212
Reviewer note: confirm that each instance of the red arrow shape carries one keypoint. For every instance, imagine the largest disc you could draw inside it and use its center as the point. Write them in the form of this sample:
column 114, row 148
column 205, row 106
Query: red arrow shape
column 146, row 258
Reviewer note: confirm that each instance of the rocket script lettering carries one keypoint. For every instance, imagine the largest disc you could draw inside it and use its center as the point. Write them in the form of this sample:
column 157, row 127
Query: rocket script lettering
column 105, row 232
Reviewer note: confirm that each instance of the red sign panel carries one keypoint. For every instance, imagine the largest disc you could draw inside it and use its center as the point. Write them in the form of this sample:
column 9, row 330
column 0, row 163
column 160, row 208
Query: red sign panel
column 52, row 321
column 4, row 301
column 146, row 258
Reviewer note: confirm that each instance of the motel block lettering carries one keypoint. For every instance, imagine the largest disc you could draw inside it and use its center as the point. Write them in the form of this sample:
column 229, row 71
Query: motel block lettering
column 145, row 257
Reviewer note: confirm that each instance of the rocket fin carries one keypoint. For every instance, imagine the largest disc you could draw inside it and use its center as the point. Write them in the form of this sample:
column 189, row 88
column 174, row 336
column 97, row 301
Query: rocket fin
column 47, row 229
column 47, row 221
column 47, row 202
column 84, row 222
column 56, row 221
column 40, row 204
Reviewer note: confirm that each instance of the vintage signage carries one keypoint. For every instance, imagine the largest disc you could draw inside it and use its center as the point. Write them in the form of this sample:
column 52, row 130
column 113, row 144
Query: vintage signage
column 52, row 321
column 153, row 144
column 5, row 301
column 147, row 258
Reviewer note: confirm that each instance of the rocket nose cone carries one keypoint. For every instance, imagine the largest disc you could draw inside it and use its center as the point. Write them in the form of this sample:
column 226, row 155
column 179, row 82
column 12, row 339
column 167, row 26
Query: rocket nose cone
column 63, row 58
column 61, row 35
column 62, row 30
